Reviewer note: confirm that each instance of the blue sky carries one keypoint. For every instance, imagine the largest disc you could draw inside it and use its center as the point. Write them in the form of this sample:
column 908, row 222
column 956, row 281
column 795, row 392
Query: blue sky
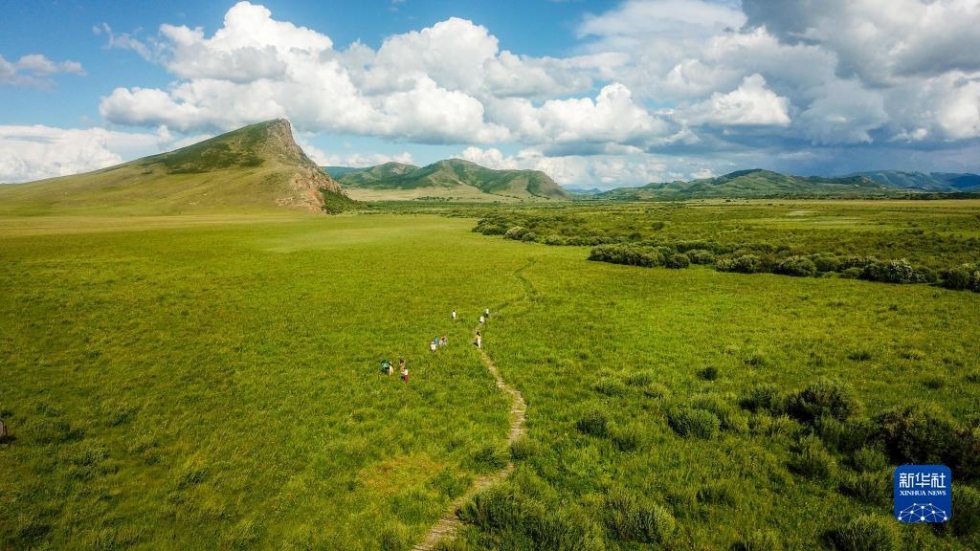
column 596, row 93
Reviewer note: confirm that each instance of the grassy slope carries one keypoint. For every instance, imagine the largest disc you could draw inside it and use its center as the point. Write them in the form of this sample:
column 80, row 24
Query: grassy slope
column 245, row 170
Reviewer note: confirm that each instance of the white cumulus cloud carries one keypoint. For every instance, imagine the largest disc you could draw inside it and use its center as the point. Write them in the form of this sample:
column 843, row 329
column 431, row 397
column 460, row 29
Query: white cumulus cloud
column 36, row 152
column 35, row 70
column 751, row 104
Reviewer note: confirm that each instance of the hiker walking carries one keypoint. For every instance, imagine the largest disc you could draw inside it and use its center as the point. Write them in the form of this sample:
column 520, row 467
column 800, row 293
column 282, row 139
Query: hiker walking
column 482, row 319
column 454, row 314
column 434, row 344
column 486, row 313
column 404, row 369
column 479, row 340
column 444, row 341
column 386, row 367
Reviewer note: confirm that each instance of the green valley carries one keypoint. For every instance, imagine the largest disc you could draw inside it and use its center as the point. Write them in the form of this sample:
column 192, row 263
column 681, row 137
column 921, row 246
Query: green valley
column 191, row 357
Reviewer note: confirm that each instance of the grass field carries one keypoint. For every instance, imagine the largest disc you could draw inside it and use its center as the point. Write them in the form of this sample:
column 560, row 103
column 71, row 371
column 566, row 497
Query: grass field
column 218, row 385
column 202, row 382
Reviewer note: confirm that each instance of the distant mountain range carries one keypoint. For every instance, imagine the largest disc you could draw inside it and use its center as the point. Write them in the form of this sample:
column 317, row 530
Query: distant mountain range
column 260, row 167
column 758, row 183
column 452, row 179
column 926, row 181
column 256, row 167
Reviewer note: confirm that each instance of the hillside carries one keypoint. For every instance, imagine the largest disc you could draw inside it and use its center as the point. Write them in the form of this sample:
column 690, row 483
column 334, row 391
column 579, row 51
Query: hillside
column 453, row 179
column 926, row 181
column 253, row 168
column 754, row 183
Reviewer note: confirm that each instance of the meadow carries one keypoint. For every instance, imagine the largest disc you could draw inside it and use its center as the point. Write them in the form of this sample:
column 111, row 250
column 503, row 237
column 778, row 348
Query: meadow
column 217, row 384
column 201, row 382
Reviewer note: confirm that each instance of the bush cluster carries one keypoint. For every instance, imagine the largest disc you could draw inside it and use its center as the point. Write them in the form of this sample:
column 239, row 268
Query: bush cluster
column 748, row 258
column 695, row 422
column 628, row 255
column 822, row 398
column 632, row 519
column 866, row 533
column 524, row 514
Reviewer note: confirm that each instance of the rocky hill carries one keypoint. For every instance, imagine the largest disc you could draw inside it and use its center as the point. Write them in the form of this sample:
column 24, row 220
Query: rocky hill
column 256, row 167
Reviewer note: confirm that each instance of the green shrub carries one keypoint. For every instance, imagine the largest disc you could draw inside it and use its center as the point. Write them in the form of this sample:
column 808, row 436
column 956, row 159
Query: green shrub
column 744, row 264
column 526, row 518
column 516, row 233
column 764, row 397
column 628, row 255
column 490, row 228
column 699, row 423
column 859, row 355
column 677, row 261
column 629, row 519
column 859, row 262
column 496, row 507
column 701, row 256
column 730, row 418
column 760, row 540
column 627, row 438
column 872, row 488
column 797, row 266
column 488, row 459
column 718, row 492
column 852, row 273
column 709, row 373
column 824, row 397
column 449, row 483
column 893, row 271
column 811, row 460
column 524, row 448
column 594, row 423
column 925, row 434
column 825, row 262
column 868, row 460
column 394, row 537
column 639, row 378
column 656, row 390
column 610, row 386
column 830, row 430
column 957, row 279
column 965, row 521
column 866, row 533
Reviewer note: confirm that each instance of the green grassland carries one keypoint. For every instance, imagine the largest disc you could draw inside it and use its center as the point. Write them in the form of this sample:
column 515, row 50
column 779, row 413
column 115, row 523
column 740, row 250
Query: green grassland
column 934, row 234
column 218, row 385
column 212, row 381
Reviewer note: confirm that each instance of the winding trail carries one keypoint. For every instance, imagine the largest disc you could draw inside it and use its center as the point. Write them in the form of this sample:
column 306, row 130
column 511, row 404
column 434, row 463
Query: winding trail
column 449, row 523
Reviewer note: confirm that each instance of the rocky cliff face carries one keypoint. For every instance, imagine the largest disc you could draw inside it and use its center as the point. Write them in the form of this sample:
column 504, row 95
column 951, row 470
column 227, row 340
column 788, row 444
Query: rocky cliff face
column 308, row 179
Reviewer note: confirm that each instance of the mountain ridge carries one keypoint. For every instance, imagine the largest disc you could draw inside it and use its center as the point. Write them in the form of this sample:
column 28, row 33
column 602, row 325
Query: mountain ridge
column 926, row 181
column 452, row 179
column 752, row 183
